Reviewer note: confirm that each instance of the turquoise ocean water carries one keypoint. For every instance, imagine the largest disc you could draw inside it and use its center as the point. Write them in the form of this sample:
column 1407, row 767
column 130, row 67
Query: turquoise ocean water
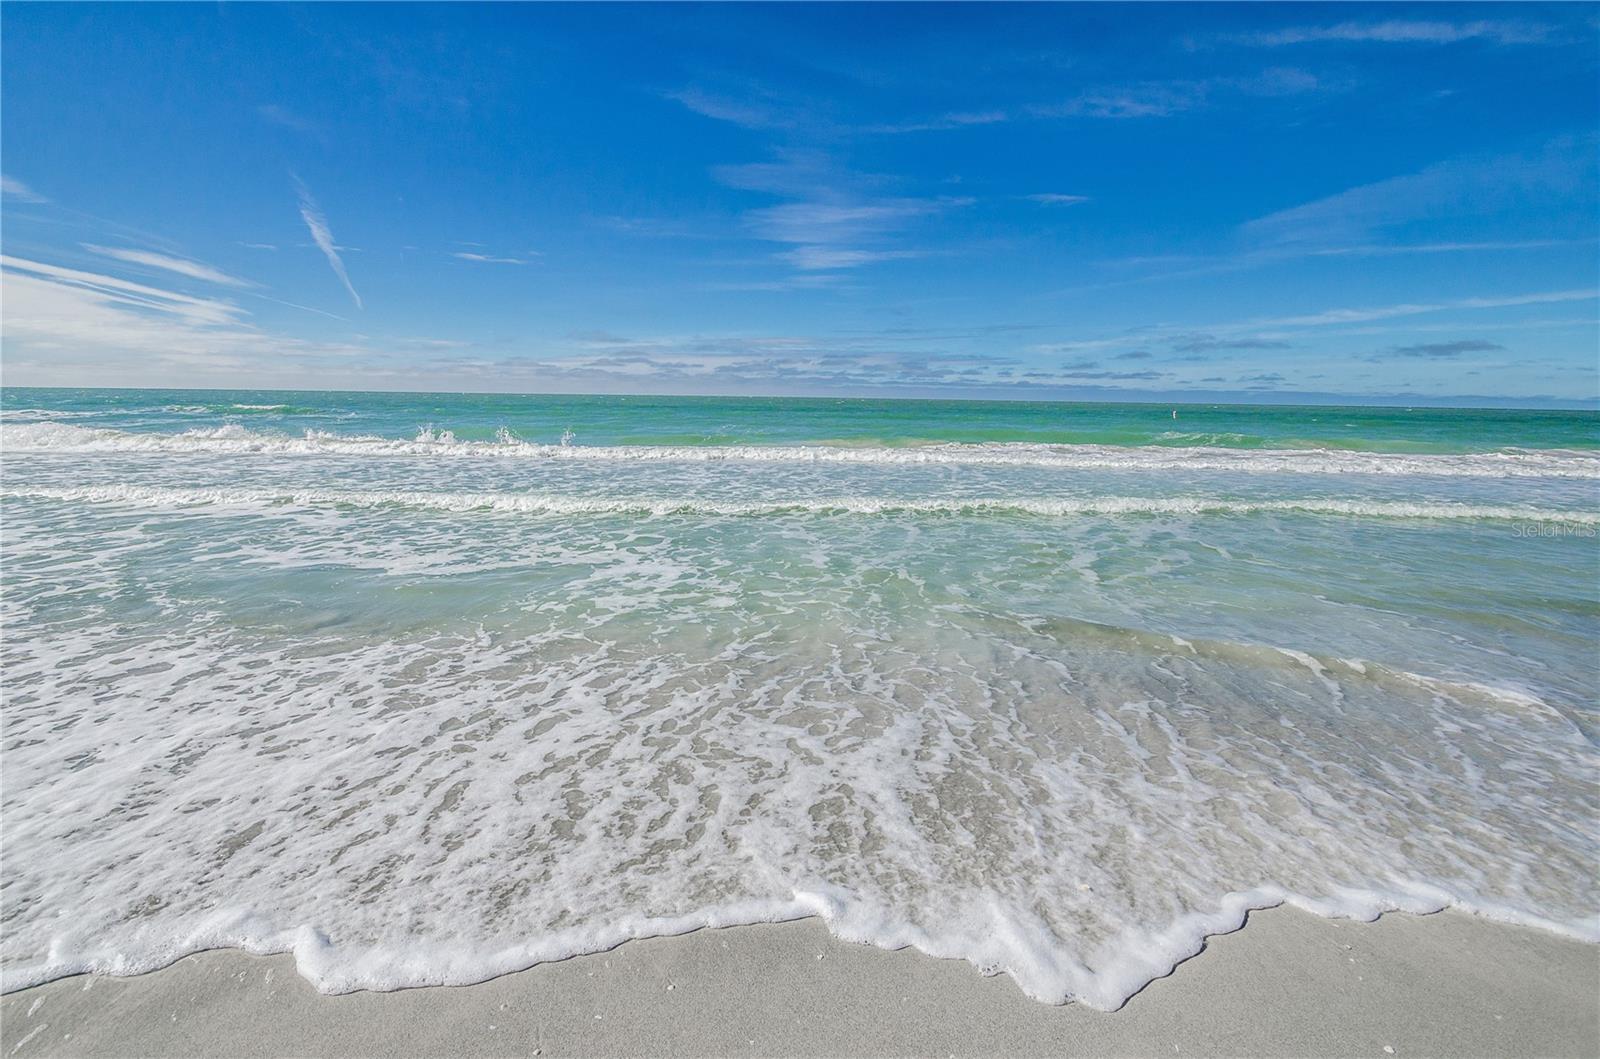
column 425, row 688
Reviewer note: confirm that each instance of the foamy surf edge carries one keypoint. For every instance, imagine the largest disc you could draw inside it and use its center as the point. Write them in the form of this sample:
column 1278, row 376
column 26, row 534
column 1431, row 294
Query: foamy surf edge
column 555, row 504
column 237, row 440
column 996, row 941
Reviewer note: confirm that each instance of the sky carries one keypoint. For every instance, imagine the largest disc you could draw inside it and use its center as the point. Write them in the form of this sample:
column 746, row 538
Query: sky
column 1253, row 202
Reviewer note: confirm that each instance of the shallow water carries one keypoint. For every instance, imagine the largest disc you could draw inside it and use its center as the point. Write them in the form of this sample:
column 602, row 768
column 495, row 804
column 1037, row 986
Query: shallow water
column 406, row 685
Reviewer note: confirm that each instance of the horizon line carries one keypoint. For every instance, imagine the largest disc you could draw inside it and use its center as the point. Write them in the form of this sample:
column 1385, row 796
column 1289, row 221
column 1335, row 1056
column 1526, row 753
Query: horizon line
column 1295, row 398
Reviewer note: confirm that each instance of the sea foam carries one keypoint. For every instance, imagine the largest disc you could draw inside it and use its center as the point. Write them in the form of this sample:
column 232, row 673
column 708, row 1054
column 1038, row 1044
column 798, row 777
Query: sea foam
column 428, row 710
column 437, row 796
column 545, row 504
column 234, row 438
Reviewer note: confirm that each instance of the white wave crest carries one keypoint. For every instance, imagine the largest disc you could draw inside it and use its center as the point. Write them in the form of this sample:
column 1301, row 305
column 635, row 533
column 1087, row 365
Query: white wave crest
column 555, row 504
column 235, row 439
column 31, row 414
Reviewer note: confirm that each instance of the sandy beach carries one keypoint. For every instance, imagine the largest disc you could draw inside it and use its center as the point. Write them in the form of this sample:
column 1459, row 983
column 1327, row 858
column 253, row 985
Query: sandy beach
column 1287, row 984
column 873, row 529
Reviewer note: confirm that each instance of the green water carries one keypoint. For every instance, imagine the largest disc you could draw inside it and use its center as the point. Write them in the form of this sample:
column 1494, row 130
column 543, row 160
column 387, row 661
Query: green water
column 430, row 687
column 607, row 420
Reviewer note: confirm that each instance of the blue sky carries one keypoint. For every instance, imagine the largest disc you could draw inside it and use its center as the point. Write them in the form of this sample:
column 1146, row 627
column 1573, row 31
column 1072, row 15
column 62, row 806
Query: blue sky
column 1253, row 201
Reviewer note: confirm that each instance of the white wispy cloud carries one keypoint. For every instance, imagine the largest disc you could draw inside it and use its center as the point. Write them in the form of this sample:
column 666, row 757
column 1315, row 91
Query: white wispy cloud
column 1448, row 190
column 317, row 224
column 799, row 173
column 1387, row 312
column 656, row 227
column 1275, row 81
column 13, row 188
column 1446, row 248
column 835, row 218
column 182, row 266
column 1052, row 199
column 820, row 258
column 297, row 305
column 840, row 235
column 797, row 281
column 1163, row 99
column 1273, row 335
column 72, row 326
column 1440, row 350
column 191, row 310
column 746, row 111
column 1147, row 100
column 1401, row 31
column 468, row 255
column 1547, row 189
column 955, row 119
column 288, row 119
column 751, row 105
column 1190, row 266
column 702, row 363
column 838, row 223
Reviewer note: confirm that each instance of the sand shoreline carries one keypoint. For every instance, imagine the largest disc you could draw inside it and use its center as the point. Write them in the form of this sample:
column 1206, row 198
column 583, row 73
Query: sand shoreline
column 1289, row 983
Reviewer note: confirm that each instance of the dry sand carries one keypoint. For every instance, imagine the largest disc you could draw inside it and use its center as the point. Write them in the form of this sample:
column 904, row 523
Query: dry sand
column 1288, row 984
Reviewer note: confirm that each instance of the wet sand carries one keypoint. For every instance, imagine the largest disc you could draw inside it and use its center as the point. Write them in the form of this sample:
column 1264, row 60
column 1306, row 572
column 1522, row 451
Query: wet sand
column 1287, row 984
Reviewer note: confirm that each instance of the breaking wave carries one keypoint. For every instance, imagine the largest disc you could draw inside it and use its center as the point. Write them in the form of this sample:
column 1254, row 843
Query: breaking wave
column 236, row 439
column 546, row 504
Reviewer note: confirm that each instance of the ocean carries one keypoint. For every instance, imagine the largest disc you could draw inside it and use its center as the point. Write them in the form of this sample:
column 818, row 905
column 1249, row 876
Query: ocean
column 425, row 688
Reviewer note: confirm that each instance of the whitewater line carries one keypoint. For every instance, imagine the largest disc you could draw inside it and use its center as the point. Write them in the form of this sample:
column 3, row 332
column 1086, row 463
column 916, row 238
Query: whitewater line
column 236, row 440
column 547, row 504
